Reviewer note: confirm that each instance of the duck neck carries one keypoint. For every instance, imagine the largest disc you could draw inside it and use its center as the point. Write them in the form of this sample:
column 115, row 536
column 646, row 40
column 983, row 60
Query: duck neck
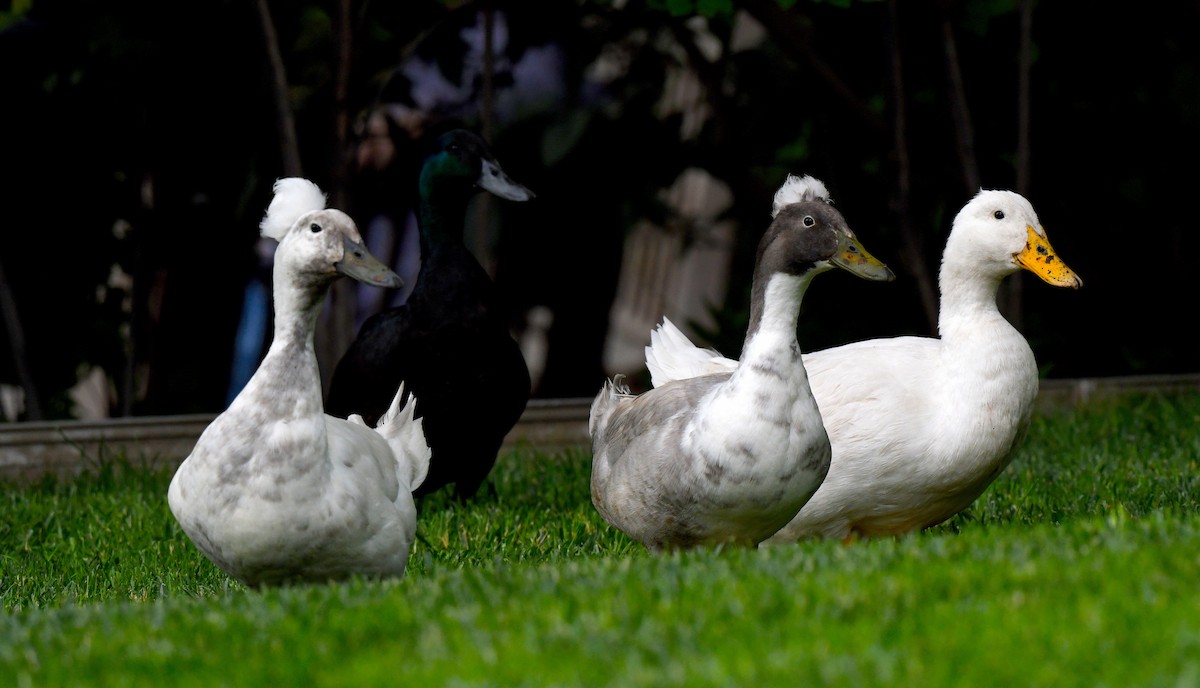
column 289, row 375
column 967, row 296
column 774, row 314
column 986, row 370
column 441, row 211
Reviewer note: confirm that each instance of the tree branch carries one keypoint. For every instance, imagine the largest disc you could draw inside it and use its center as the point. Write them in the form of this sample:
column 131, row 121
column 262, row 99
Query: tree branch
column 289, row 147
column 794, row 39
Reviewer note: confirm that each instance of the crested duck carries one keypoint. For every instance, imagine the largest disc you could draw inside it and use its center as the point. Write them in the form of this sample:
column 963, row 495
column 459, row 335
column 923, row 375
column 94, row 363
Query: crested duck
column 919, row 426
column 275, row 490
column 450, row 341
column 729, row 458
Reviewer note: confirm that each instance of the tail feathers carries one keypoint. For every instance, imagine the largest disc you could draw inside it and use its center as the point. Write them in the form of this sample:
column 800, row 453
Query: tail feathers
column 406, row 436
column 613, row 391
column 672, row 356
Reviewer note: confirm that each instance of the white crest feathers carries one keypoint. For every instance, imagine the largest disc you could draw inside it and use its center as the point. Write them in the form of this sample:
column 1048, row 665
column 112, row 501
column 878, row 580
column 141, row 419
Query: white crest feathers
column 797, row 189
column 294, row 197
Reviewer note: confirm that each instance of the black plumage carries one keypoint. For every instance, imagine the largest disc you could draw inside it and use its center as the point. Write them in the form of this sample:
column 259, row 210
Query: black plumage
column 450, row 342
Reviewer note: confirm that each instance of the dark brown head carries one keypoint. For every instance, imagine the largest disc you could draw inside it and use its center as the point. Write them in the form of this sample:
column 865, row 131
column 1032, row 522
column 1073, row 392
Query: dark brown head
column 812, row 236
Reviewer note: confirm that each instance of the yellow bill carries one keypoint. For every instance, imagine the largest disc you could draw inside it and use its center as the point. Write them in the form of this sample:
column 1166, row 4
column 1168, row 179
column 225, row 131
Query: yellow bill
column 1039, row 258
column 852, row 257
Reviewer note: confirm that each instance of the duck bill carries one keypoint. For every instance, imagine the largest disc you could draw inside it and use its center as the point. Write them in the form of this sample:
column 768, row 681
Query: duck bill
column 493, row 179
column 1039, row 258
column 852, row 257
column 357, row 262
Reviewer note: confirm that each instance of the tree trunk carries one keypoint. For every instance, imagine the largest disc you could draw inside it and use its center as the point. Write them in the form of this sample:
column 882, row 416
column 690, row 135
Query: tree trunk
column 482, row 237
column 16, row 342
column 964, row 134
column 1011, row 293
column 334, row 338
column 289, row 147
column 913, row 239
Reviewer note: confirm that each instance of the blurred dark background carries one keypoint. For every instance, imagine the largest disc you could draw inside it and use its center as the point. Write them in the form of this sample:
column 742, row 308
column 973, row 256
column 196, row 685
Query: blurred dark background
column 141, row 140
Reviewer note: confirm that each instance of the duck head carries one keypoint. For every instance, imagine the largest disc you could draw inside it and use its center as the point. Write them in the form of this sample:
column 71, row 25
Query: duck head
column 798, row 189
column 812, row 237
column 998, row 233
column 318, row 243
column 462, row 160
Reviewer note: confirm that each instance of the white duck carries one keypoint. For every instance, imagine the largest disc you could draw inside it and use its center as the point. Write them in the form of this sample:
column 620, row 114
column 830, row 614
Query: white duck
column 919, row 426
column 729, row 458
column 275, row 490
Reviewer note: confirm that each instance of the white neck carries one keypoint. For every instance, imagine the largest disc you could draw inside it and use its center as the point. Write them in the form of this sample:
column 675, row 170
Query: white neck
column 289, row 381
column 773, row 331
column 968, row 295
column 980, row 350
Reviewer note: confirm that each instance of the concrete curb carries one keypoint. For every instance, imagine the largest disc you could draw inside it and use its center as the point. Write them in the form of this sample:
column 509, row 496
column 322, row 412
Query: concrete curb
column 29, row 451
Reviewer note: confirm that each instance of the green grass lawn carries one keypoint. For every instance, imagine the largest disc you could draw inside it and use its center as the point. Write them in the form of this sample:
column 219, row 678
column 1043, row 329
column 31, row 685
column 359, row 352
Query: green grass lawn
column 1080, row 566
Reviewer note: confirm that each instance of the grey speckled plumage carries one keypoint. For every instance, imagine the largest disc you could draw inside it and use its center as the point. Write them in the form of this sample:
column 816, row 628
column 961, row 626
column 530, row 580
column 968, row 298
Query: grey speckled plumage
column 275, row 490
column 729, row 458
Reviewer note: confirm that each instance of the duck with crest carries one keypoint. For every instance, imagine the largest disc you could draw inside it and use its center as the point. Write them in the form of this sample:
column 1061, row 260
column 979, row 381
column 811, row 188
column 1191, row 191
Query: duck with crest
column 450, row 342
column 728, row 458
column 275, row 490
column 920, row 426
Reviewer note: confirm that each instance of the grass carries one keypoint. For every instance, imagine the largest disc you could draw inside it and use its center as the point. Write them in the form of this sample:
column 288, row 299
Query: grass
column 1078, row 567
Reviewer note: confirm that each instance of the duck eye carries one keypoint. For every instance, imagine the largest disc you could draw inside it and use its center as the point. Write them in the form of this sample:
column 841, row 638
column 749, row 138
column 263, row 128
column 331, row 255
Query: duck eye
column 809, row 221
column 999, row 214
column 315, row 227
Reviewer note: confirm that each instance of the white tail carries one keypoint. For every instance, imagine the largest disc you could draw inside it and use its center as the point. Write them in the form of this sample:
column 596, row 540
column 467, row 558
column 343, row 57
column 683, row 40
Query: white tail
column 406, row 436
column 672, row 356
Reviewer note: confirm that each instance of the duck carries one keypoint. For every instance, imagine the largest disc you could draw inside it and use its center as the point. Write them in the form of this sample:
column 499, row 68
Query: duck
column 450, row 341
column 726, row 459
column 920, row 426
column 275, row 491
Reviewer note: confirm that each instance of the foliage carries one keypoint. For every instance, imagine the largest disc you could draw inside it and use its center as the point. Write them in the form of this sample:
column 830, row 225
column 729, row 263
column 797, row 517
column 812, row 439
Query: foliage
column 149, row 154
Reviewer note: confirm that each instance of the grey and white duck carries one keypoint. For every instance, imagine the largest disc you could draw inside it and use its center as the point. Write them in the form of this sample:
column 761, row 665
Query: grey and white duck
column 277, row 491
column 729, row 458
